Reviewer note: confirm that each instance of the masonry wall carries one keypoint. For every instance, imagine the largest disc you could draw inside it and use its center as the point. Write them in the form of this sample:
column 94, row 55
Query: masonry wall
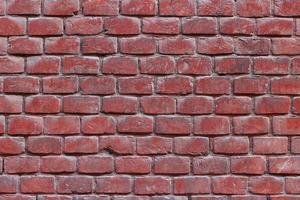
column 149, row 99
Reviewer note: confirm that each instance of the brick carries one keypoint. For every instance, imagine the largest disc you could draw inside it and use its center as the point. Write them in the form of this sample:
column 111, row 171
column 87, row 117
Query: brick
column 11, row 104
column 286, row 46
column 296, row 104
column 74, row 184
column 287, row 85
column 237, row 26
column 60, row 85
column 83, row 25
column 135, row 125
column 269, row 66
column 205, row 26
column 8, row 184
column 213, row 85
column 113, row 185
column 234, row 145
column 2, row 126
column 37, row 184
column 140, row 85
column 123, row 105
column 270, row 145
column 99, row 45
column 40, row 104
column 61, row 125
column 168, row 26
column 211, row 165
column 133, row 165
column 43, row 65
column 216, row 8
column 233, row 65
column 177, row 8
column 295, row 68
column 286, row 125
column 154, row 145
column 119, row 145
column 21, row 165
column 19, row 7
column 3, row 46
column 157, row 65
column 229, row 185
column 191, row 146
column 98, row 125
column 247, row 46
column 233, row 105
column 250, row 85
column 136, row 7
column 138, row 46
column 25, row 125
column 18, row 84
column 295, row 145
column 172, row 165
column 173, row 125
column 152, row 185
column 95, row 164
column 81, row 104
column 274, row 27
column 63, row 45
column 202, row 105
column 192, row 185
column 58, row 164
column 122, row 26
column 36, row 26
column 61, row 7
column 215, row 125
column 265, row 185
column 174, row 85
column 158, row 105
column 248, row 165
column 120, row 65
column 253, row 8
column 80, row 65
column 194, row 65
column 25, row 46
column 100, row 7
column 286, row 8
column 11, row 146
column 215, row 45
column 272, row 105
column 291, row 185
column 278, row 165
column 10, row 64
column 103, row 85
column 253, row 125
column 81, row 144
column 44, row 145
column 10, row 26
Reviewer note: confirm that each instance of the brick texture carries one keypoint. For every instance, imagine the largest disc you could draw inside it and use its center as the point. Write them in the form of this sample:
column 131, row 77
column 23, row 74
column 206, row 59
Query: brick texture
column 149, row 100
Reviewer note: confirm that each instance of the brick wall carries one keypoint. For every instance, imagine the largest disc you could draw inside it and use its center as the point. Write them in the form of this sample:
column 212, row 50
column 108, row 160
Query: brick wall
column 149, row 100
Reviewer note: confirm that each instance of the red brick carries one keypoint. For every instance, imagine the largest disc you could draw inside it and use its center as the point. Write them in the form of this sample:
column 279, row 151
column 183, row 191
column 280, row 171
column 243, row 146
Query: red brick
column 296, row 104
column 100, row 7
column 136, row 7
column 233, row 65
column 61, row 7
column 42, row 104
column 18, row 84
column 36, row 26
column 140, row 85
column 80, row 65
column 120, row 65
column 157, row 65
column 253, row 125
column 286, row 8
column 10, row 26
column 213, row 85
column 211, row 165
column 21, row 165
column 174, row 85
column 272, row 105
column 286, row 46
column 113, row 185
column 154, row 145
column 24, row 125
column 62, row 45
column 231, row 145
column 177, row 8
column 216, row 8
column 135, row 125
column 11, row 146
column 191, row 146
column 124, row 105
column 44, row 145
column 248, row 165
column 194, row 65
column 95, row 164
column 173, row 125
column 271, row 65
column 237, row 26
column 9, row 65
column 284, row 165
column 205, row 26
column 98, row 125
column 81, row 104
column 54, row 197
column 172, row 165
column 295, row 68
column 138, row 45
column 37, row 184
column 58, row 164
column 229, row 185
column 8, row 184
column 99, row 45
column 201, row 105
column 295, row 145
column 251, row 85
column 103, row 85
column 11, row 104
column 265, row 185
column 250, row 46
column 60, row 85
column 83, row 25
column 2, row 127
column 289, row 85
column 20, row 7
column 74, row 184
column 3, row 46
column 275, row 27
column 122, row 26
column 120, row 145
column 233, row 105
column 253, row 8
column 270, row 145
column 17, row 197
column 43, row 65
column 158, row 105
column 81, row 144
column 292, row 185
column 152, row 185
column 215, row 45
column 25, row 46
column 61, row 125
column 215, row 125
column 168, row 26
column 286, row 125
column 191, row 185
column 133, row 165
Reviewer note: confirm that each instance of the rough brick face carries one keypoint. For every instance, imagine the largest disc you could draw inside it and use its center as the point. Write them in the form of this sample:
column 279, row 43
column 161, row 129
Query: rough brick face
column 149, row 99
